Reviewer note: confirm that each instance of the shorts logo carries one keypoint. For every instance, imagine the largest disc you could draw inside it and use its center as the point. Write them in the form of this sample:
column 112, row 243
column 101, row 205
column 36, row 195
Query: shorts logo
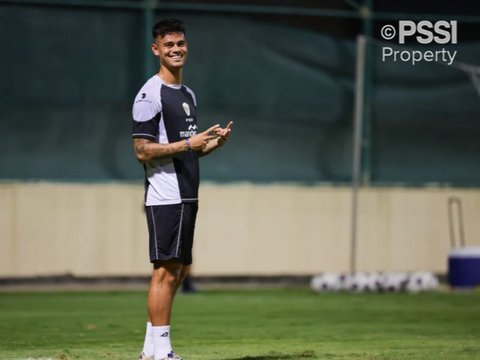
column 186, row 108
column 165, row 334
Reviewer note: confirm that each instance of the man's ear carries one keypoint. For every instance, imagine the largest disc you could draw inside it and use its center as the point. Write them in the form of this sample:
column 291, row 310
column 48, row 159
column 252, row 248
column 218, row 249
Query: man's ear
column 155, row 49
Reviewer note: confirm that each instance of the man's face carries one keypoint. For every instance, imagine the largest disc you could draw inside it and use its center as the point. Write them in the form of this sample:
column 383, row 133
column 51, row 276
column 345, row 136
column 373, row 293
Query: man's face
column 171, row 49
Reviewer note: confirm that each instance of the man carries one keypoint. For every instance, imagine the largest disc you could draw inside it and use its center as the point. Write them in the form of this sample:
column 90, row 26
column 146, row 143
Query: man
column 167, row 143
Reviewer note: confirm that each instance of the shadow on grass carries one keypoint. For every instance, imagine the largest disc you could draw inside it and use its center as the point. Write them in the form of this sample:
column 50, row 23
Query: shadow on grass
column 307, row 354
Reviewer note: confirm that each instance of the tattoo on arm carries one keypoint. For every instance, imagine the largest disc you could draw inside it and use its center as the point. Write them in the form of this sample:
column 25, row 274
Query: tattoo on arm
column 146, row 150
column 139, row 145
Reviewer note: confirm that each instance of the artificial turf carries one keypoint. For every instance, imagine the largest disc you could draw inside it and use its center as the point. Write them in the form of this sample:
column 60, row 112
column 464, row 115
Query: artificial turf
column 245, row 325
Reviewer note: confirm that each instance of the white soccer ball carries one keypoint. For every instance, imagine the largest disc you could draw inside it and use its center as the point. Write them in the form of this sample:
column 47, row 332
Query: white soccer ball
column 394, row 281
column 324, row 282
column 430, row 281
column 356, row 282
column 374, row 282
column 422, row 281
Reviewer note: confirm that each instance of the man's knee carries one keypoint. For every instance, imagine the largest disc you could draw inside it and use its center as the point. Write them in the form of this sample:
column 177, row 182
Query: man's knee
column 168, row 273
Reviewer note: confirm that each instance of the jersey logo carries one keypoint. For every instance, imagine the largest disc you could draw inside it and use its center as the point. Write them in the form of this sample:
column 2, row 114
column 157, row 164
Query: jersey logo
column 186, row 108
column 142, row 98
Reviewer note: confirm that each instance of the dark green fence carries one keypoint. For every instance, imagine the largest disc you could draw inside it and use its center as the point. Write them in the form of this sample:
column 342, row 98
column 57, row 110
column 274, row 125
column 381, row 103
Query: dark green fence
column 69, row 74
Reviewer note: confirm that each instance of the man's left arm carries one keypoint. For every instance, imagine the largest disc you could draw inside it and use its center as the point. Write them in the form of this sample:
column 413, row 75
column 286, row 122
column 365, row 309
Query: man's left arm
column 222, row 135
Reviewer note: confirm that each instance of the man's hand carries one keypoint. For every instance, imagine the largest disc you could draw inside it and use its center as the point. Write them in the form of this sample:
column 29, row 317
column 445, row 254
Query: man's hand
column 199, row 142
column 211, row 139
column 223, row 134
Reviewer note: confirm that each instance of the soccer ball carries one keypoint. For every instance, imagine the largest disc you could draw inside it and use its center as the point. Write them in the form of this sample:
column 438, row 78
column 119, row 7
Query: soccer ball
column 374, row 282
column 356, row 282
column 324, row 282
column 394, row 281
column 421, row 281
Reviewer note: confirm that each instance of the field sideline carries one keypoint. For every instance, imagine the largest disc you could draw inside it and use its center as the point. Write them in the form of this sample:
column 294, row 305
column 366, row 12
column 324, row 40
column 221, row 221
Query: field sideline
column 244, row 325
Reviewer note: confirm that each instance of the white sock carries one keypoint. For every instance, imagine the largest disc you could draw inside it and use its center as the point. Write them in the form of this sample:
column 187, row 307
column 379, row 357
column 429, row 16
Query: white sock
column 148, row 348
column 161, row 339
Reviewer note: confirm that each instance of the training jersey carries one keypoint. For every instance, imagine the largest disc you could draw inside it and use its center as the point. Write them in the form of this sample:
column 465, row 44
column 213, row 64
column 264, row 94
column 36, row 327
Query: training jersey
column 166, row 113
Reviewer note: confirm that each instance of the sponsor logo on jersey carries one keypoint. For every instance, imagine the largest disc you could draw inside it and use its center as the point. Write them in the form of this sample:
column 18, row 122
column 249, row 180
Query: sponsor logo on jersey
column 187, row 134
column 142, row 99
column 192, row 128
column 186, row 108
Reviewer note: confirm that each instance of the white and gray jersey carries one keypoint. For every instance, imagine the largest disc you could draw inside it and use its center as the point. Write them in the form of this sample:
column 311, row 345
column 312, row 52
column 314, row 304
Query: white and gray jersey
column 166, row 114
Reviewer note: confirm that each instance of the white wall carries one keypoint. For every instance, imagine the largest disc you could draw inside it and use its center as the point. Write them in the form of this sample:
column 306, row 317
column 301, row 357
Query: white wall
column 242, row 229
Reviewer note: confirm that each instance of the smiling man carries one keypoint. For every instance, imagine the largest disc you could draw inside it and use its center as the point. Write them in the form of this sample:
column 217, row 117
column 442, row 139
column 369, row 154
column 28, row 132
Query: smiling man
column 167, row 142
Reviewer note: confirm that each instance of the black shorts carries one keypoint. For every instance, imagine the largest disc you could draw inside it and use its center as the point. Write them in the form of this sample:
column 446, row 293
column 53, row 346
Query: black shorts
column 171, row 229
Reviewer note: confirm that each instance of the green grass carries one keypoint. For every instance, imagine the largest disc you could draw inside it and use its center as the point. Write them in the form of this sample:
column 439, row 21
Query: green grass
column 245, row 325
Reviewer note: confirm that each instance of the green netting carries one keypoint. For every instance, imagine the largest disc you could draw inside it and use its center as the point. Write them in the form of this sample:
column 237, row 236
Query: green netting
column 426, row 119
column 69, row 76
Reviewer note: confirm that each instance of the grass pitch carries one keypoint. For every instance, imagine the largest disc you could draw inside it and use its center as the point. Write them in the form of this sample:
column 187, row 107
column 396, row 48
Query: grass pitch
column 244, row 325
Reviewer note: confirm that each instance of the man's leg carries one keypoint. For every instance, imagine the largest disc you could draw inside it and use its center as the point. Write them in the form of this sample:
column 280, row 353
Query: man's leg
column 166, row 278
column 148, row 346
column 183, row 275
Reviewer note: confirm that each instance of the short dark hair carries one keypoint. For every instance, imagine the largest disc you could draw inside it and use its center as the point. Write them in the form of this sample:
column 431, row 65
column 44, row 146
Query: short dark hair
column 167, row 26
